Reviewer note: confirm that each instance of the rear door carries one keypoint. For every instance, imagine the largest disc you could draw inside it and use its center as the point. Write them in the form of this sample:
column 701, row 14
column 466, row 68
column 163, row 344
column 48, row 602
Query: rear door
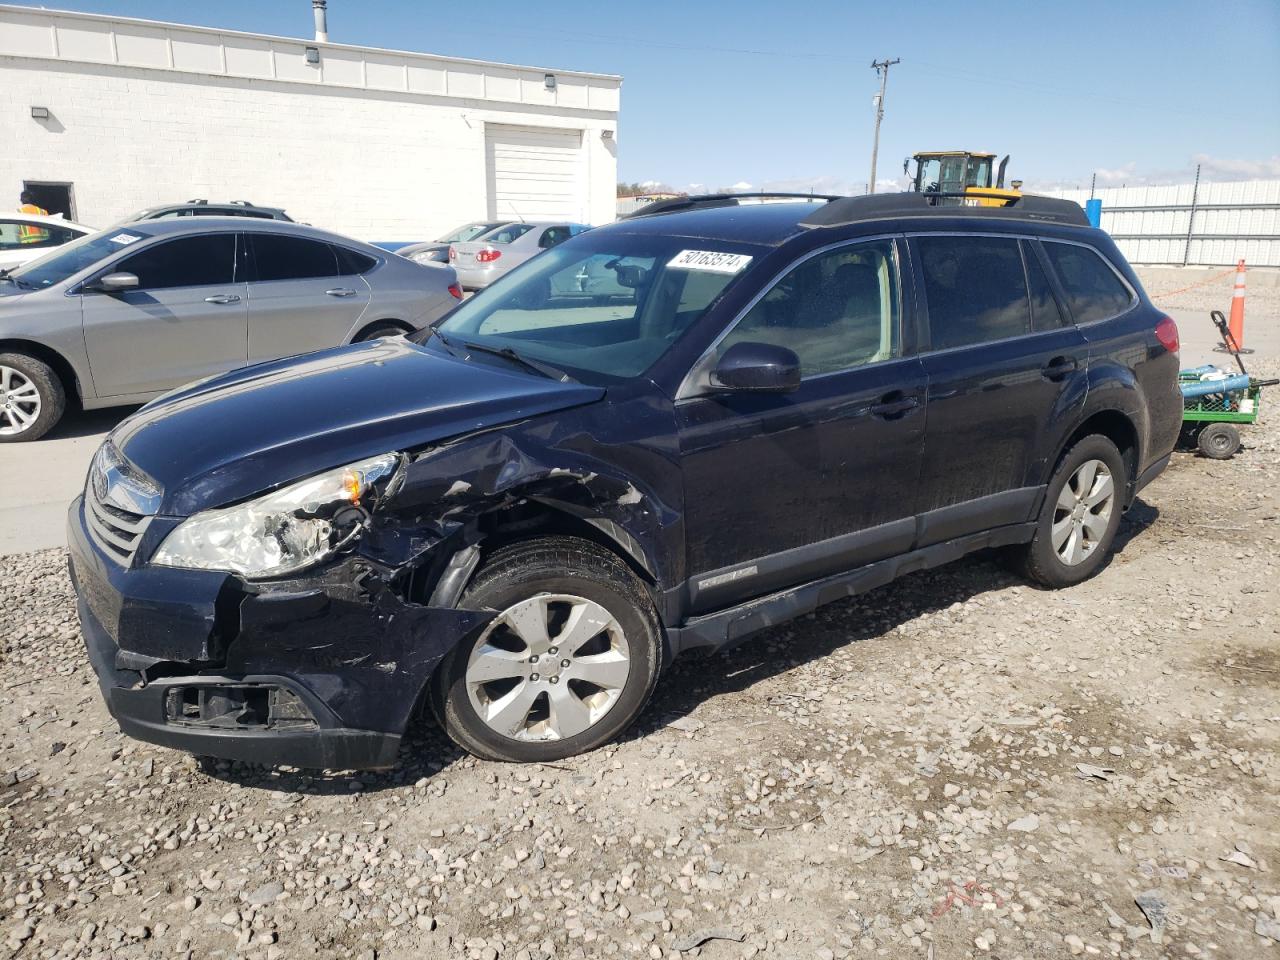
column 782, row 489
column 185, row 320
column 302, row 296
column 1006, row 370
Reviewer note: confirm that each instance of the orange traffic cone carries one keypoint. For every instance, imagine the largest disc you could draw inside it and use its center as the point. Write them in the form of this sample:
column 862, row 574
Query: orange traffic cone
column 1236, row 323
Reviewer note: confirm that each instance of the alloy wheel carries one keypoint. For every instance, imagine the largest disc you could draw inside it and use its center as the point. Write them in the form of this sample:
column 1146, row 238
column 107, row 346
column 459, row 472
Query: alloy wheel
column 548, row 668
column 19, row 402
column 1082, row 512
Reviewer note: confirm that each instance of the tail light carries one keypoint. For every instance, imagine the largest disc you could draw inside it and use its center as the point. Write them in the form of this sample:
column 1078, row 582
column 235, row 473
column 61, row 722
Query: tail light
column 1167, row 334
column 453, row 254
column 456, row 290
column 488, row 256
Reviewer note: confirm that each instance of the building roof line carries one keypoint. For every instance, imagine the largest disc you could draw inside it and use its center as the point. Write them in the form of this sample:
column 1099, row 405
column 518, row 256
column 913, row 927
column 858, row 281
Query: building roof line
column 304, row 41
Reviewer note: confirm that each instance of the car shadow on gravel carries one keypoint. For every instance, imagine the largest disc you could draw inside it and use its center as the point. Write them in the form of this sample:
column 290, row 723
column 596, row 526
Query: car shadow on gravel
column 695, row 678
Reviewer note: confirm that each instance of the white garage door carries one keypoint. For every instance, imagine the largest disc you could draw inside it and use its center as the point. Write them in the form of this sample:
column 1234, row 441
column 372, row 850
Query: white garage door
column 535, row 173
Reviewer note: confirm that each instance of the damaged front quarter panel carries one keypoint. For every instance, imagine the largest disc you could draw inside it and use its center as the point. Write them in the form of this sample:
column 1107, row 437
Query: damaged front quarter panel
column 351, row 638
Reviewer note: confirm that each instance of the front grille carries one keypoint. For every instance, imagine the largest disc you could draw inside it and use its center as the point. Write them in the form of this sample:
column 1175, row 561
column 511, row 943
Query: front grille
column 116, row 531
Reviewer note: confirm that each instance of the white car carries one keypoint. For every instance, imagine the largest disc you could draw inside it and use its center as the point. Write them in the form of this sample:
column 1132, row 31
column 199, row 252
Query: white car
column 491, row 255
column 25, row 236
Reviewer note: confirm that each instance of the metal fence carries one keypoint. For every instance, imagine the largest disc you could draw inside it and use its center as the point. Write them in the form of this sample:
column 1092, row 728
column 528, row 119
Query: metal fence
column 1192, row 223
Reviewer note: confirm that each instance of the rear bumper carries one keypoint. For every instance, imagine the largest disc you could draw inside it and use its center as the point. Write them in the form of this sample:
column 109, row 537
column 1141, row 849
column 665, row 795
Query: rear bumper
column 323, row 671
column 475, row 278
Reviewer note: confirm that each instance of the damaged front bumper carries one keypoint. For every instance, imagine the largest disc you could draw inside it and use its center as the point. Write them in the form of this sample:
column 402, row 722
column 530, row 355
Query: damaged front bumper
column 320, row 671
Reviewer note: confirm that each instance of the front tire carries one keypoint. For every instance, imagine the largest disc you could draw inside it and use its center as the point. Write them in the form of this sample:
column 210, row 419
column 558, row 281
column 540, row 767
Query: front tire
column 1080, row 516
column 566, row 665
column 32, row 400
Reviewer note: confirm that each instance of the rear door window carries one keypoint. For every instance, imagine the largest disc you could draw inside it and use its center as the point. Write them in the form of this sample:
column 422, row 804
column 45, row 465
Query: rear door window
column 552, row 236
column 207, row 260
column 976, row 289
column 1094, row 292
column 1045, row 312
column 280, row 257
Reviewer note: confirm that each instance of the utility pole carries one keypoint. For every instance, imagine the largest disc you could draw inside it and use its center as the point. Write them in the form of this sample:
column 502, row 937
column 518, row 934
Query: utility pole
column 881, row 67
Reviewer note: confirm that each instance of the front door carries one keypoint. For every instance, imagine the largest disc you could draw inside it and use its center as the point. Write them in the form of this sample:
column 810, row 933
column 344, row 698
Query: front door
column 185, row 320
column 781, row 489
column 1005, row 365
column 301, row 296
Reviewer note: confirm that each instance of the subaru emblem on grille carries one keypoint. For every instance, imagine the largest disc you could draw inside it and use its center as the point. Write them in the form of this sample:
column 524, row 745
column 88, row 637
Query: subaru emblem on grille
column 117, row 483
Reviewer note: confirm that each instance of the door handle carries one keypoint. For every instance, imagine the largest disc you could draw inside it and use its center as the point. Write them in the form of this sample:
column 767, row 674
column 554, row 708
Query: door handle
column 222, row 298
column 1059, row 367
column 341, row 292
column 894, row 405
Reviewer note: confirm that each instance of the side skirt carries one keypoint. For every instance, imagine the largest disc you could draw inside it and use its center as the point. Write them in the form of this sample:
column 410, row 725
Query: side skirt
column 727, row 628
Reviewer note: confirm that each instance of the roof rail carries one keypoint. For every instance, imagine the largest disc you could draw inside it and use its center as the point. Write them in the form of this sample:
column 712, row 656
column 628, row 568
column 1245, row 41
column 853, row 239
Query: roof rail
column 880, row 206
column 707, row 200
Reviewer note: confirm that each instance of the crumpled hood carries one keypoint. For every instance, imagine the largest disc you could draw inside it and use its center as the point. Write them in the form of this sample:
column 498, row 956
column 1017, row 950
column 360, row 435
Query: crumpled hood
column 236, row 435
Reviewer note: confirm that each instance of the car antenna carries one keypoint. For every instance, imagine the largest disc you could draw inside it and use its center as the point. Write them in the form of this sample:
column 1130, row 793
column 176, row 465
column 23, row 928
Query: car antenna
column 517, row 212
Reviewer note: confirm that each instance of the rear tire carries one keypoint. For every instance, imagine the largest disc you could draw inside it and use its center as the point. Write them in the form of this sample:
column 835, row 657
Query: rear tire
column 381, row 331
column 577, row 673
column 32, row 399
column 1080, row 516
column 1219, row 441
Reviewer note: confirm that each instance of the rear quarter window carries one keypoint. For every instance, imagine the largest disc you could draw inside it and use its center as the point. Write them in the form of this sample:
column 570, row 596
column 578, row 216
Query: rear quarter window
column 350, row 262
column 1094, row 292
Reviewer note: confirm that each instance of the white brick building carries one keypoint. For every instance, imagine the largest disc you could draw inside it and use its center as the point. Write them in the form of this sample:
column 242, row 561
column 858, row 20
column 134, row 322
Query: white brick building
column 378, row 144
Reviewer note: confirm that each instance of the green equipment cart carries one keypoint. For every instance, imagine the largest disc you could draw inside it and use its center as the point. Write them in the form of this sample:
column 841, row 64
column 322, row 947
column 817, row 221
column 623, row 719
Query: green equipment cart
column 1215, row 401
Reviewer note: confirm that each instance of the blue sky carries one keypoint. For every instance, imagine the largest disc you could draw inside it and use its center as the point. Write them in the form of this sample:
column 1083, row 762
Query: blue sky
column 780, row 95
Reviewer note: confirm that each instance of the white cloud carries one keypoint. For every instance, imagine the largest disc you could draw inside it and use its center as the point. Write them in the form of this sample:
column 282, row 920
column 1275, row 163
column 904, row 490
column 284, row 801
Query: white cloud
column 1212, row 170
column 1223, row 168
column 742, row 186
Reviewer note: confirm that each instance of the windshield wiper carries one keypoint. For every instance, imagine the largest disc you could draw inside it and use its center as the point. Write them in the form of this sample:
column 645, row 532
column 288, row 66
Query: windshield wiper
column 17, row 281
column 507, row 353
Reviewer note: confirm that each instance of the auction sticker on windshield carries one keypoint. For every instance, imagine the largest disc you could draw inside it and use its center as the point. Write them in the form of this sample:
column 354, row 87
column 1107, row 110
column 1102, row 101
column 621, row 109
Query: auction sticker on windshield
column 711, row 261
column 125, row 238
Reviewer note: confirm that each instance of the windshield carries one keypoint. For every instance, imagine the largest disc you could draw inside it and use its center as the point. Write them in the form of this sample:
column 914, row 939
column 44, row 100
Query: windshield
column 604, row 306
column 68, row 260
column 469, row 232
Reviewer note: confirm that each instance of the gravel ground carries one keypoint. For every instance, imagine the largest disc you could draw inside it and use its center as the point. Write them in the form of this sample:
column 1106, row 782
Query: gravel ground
column 1209, row 289
column 957, row 765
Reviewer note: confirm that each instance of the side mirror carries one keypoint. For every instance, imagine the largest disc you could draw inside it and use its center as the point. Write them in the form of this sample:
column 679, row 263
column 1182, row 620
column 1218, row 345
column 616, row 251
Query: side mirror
column 115, row 282
column 757, row 367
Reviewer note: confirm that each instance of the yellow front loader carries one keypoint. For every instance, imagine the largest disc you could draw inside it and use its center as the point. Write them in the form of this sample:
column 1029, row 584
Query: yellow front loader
column 962, row 177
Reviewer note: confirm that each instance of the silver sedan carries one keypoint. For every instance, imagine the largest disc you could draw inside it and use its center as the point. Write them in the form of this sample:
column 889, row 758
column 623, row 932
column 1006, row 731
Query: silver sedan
column 123, row 315
column 483, row 260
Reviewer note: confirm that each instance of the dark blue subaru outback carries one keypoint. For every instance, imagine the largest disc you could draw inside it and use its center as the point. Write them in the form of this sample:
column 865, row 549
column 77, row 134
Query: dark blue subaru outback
column 664, row 434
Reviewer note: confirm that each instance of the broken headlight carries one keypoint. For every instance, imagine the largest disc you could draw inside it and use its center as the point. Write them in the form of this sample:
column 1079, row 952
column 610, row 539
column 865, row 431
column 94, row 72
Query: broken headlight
column 285, row 531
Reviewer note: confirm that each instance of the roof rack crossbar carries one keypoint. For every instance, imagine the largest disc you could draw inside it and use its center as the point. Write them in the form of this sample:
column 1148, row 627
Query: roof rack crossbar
column 881, row 206
column 707, row 200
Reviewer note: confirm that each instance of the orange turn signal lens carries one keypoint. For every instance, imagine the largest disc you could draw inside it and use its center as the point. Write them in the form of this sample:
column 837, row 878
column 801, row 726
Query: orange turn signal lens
column 352, row 485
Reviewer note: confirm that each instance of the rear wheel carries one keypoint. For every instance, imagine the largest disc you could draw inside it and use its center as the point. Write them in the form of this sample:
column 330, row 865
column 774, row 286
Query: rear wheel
column 31, row 398
column 380, row 331
column 567, row 663
column 1081, row 514
column 1220, row 441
